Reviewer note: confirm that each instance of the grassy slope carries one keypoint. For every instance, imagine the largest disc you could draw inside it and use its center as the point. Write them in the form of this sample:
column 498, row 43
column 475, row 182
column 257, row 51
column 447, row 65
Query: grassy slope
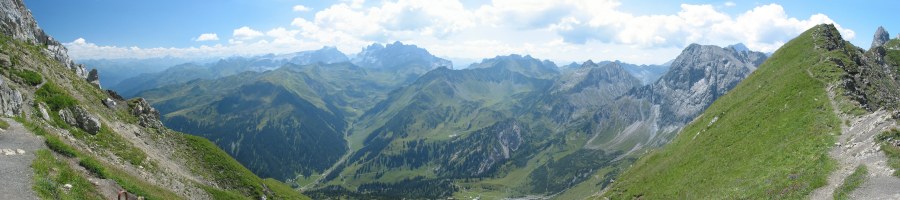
column 770, row 138
column 230, row 176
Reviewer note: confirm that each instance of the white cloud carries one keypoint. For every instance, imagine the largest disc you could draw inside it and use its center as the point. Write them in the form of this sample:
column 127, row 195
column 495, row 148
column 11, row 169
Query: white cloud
column 729, row 4
column 82, row 49
column 301, row 8
column 245, row 33
column 207, row 37
column 564, row 30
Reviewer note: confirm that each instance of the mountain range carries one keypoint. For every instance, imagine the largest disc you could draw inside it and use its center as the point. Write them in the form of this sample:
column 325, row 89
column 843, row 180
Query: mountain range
column 397, row 115
column 816, row 119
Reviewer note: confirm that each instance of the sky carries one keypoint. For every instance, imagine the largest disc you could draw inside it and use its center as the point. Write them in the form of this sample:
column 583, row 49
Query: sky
column 634, row 31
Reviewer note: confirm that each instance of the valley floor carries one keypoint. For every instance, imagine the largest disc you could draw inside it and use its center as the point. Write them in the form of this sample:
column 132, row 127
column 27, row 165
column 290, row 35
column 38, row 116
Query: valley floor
column 857, row 146
column 17, row 147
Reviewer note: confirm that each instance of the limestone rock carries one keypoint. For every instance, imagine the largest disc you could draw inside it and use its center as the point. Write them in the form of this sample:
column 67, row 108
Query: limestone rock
column 18, row 23
column 147, row 115
column 109, row 103
column 67, row 116
column 10, row 100
column 697, row 77
column 881, row 37
column 42, row 108
column 81, row 118
column 93, row 77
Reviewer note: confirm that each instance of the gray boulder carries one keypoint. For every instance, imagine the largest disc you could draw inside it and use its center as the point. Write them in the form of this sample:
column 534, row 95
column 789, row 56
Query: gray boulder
column 109, row 103
column 67, row 116
column 81, row 118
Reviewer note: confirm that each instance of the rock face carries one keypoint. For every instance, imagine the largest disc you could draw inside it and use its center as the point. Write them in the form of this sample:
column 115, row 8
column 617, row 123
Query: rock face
column 18, row 22
column 700, row 75
column 81, row 118
column 147, row 115
column 881, row 37
column 10, row 99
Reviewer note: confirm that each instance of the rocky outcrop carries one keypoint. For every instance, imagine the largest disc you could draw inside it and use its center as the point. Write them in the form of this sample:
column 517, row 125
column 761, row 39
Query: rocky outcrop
column 871, row 80
column 11, row 100
column 81, row 118
column 93, row 77
column 18, row 23
column 147, row 115
column 881, row 37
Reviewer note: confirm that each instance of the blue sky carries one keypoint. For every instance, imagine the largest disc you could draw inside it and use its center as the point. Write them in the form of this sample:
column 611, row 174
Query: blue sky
column 637, row 31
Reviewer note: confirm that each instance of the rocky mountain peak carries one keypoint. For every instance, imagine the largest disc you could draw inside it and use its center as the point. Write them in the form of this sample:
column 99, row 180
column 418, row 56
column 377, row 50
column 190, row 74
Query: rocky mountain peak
column 525, row 65
column 697, row 77
column 881, row 37
column 18, row 22
column 397, row 54
column 739, row 47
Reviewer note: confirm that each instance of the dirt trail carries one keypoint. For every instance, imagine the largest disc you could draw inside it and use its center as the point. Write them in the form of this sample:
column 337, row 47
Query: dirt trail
column 17, row 147
column 856, row 146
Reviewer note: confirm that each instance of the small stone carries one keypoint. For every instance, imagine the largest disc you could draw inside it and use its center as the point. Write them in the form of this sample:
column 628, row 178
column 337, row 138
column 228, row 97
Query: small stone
column 67, row 187
column 140, row 167
column 8, row 152
column 20, row 151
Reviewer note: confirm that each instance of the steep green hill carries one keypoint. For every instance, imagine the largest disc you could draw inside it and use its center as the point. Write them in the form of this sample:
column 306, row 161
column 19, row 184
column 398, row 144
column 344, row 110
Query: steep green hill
column 98, row 142
column 768, row 137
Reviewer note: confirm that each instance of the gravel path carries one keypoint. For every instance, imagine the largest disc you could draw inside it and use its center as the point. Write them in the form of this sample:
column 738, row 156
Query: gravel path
column 17, row 148
column 856, row 146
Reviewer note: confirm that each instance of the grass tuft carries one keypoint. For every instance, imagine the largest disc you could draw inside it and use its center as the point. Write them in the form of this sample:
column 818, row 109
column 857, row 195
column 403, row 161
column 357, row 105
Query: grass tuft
column 50, row 175
column 891, row 151
column 29, row 77
column 93, row 166
column 4, row 124
column 851, row 182
column 55, row 97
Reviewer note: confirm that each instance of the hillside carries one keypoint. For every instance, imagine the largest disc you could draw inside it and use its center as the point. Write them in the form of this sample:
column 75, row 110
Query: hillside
column 768, row 137
column 98, row 142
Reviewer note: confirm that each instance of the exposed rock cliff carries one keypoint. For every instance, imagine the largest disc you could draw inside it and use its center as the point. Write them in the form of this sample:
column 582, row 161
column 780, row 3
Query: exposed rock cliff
column 18, row 23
